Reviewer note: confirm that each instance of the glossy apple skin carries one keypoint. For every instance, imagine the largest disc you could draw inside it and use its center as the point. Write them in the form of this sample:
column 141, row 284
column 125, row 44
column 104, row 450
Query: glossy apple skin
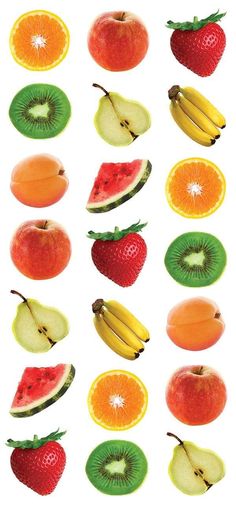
column 118, row 40
column 39, row 181
column 196, row 395
column 40, row 249
column 195, row 324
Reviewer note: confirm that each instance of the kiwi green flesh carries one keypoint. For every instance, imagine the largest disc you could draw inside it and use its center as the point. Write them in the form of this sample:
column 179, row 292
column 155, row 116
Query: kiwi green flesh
column 116, row 467
column 195, row 259
column 40, row 111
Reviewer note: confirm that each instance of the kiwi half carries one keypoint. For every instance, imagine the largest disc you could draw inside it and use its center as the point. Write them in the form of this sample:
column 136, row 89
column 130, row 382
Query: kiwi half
column 195, row 259
column 40, row 111
column 116, row 467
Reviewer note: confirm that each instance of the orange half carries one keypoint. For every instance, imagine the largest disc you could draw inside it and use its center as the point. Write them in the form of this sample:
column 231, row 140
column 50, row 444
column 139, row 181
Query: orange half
column 195, row 188
column 39, row 40
column 117, row 400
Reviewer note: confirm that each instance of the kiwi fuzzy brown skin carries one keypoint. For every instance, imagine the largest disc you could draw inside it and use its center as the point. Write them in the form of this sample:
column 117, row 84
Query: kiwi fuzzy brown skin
column 47, row 124
column 125, row 454
column 199, row 273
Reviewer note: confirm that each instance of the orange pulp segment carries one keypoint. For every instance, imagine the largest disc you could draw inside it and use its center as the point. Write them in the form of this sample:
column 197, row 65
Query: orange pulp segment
column 39, row 40
column 195, row 187
column 117, row 400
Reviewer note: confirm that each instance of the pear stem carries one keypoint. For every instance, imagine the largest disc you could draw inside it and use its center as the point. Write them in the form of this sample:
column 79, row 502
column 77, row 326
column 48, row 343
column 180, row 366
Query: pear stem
column 20, row 295
column 176, row 437
column 101, row 88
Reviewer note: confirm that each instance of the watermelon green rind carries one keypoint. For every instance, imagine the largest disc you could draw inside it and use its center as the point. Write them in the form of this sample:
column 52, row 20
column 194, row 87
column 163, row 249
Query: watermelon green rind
column 121, row 197
column 53, row 396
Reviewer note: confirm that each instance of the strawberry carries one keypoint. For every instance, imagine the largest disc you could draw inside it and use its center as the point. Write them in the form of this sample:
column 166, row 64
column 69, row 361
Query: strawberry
column 199, row 45
column 40, row 463
column 119, row 255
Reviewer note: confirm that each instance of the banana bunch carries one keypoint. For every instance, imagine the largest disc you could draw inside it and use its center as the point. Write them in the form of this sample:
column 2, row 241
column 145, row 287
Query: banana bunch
column 119, row 328
column 195, row 115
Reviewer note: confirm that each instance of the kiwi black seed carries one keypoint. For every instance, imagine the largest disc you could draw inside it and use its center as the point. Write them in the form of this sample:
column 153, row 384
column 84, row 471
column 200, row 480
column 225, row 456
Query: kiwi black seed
column 40, row 111
column 116, row 467
column 195, row 259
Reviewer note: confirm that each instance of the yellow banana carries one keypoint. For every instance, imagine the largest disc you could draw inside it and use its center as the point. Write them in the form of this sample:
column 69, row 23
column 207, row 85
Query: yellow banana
column 124, row 332
column 197, row 116
column 112, row 340
column 128, row 319
column 188, row 127
column 204, row 105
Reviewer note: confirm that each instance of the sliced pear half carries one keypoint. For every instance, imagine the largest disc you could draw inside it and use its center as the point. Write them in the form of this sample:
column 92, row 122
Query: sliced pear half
column 194, row 470
column 119, row 121
column 37, row 327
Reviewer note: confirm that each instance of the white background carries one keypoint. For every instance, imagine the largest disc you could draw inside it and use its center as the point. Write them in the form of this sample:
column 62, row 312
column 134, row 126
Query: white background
column 155, row 292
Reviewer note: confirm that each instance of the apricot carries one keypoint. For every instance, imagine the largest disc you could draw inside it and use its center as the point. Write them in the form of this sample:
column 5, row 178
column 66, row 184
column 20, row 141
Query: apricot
column 195, row 324
column 39, row 181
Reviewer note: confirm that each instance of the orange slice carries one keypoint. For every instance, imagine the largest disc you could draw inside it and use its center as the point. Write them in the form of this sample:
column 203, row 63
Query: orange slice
column 39, row 40
column 195, row 188
column 117, row 400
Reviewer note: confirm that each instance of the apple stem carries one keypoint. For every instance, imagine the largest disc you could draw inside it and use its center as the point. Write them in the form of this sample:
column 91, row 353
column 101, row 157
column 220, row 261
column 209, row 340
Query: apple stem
column 176, row 437
column 198, row 370
column 101, row 88
column 61, row 172
column 217, row 315
column 122, row 17
column 20, row 295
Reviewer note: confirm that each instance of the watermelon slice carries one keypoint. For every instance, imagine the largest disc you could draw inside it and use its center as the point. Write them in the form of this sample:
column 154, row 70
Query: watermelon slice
column 39, row 387
column 116, row 183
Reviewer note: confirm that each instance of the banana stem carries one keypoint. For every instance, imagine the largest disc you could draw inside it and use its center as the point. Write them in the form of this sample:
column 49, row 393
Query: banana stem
column 173, row 91
column 97, row 306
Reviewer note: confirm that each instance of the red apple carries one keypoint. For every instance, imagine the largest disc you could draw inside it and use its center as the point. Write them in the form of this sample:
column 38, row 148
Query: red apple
column 118, row 40
column 40, row 249
column 196, row 394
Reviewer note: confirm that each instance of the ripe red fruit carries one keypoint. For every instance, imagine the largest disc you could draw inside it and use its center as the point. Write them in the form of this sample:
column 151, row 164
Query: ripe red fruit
column 119, row 255
column 40, row 463
column 40, row 249
column 118, row 40
column 198, row 45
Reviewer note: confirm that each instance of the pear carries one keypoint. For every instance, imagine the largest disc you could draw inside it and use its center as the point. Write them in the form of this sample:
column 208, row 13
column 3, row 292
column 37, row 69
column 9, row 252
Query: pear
column 36, row 327
column 120, row 121
column 193, row 470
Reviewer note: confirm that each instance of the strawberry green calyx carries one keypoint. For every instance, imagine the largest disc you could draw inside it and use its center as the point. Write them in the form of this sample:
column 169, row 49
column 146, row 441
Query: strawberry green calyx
column 117, row 234
column 36, row 442
column 196, row 24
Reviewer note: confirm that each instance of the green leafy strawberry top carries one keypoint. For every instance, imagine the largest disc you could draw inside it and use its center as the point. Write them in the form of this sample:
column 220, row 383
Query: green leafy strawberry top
column 117, row 234
column 36, row 442
column 196, row 24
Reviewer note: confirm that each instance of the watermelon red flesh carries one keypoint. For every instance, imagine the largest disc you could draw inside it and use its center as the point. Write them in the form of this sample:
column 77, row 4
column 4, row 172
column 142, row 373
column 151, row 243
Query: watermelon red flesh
column 116, row 183
column 39, row 387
